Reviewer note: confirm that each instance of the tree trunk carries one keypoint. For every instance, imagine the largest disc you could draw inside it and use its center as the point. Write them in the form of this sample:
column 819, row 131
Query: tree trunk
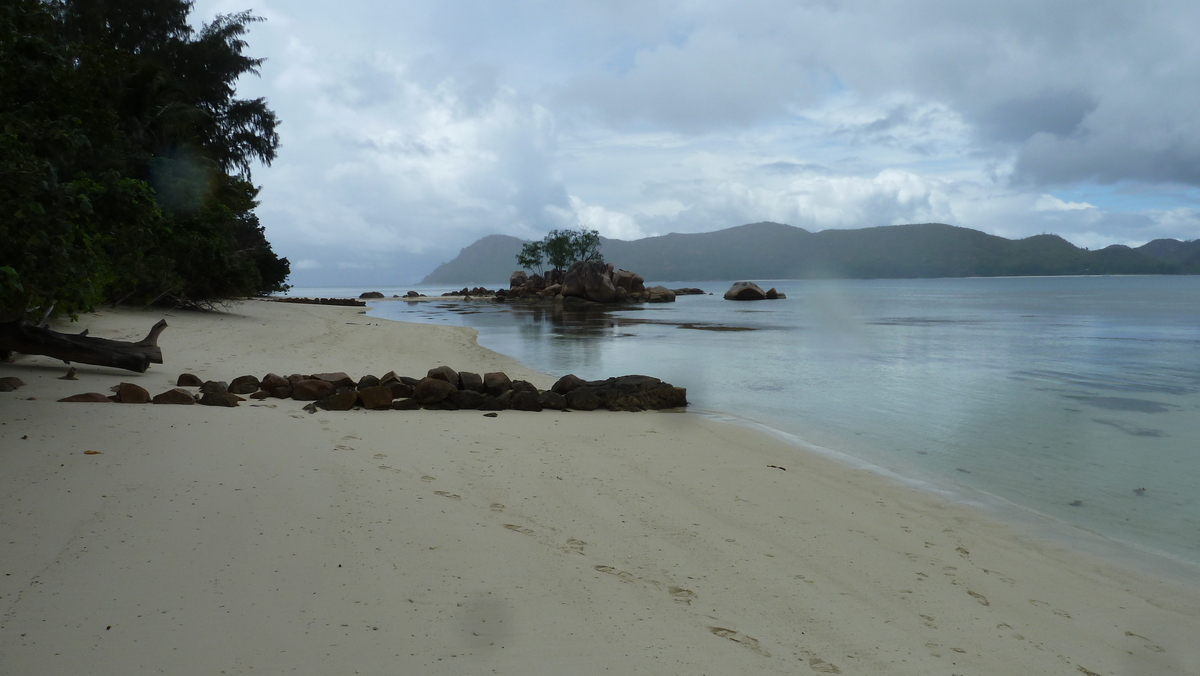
column 27, row 339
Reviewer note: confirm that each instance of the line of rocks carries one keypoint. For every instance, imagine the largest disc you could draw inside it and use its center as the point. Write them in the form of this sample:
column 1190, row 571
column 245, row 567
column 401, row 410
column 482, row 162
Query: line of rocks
column 344, row 302
column 442, row 388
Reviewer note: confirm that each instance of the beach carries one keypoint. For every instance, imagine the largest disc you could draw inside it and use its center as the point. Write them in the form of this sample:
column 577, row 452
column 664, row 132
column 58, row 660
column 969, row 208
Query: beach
column 265, row 539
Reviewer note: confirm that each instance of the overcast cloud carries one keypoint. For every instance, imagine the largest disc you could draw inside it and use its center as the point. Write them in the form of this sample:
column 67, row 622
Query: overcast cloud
column 411, row 129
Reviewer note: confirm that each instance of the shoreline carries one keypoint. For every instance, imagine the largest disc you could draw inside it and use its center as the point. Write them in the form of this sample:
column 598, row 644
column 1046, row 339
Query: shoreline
column 584, row 541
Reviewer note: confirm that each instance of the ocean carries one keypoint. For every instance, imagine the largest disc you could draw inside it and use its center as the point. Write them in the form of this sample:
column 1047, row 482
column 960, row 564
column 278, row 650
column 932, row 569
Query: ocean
column 1070, row 403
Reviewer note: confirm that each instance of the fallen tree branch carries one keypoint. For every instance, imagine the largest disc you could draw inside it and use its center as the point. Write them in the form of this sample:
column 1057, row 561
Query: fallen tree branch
column 29, row 339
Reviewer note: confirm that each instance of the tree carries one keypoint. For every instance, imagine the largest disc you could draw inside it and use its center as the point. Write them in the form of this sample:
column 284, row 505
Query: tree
column 561, row 248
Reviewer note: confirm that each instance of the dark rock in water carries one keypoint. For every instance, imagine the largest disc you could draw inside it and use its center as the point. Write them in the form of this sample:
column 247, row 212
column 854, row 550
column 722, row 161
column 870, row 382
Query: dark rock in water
column 496, row 383
column 772, row 294
column 367, row 381
column 551, row 291
column 214, row 386
column 523, row 400
column 272, row 381
column 341, row 401
column 405, row 405
column 524, row 386
column 470, row 381
column 88, row 398
column 338, row 378
column 432, row 390
column 312, row 389
column 376, row 397
column 552, row 400
column 567, row 383
column 189, row 380
column 128, row 393
column 466, row 398
column 244, row 385
column 174, row 396
column 688, row 291
column 412, row 294
column 660, row 294
column 637, row 393
column 517, row 279
column 572, row 283
column 400, row 390
column 745, row 291
column 444, row 373
column 582, row 399
column 227, row 399
column 596, row 281
column 371, row 294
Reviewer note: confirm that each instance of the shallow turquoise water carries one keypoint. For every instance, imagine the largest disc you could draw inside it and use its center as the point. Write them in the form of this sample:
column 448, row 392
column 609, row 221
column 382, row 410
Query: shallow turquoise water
column 1063, row 396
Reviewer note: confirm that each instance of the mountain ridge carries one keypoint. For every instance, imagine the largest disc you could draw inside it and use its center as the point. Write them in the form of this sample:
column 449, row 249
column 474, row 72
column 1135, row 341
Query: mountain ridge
column 768, row 250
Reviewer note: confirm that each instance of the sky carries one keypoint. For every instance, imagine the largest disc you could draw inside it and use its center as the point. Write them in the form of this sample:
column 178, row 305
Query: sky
column 411, row 129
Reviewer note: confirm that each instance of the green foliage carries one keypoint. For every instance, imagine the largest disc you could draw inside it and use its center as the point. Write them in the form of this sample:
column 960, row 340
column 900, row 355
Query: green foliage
column 125, row 158
column 561, row 248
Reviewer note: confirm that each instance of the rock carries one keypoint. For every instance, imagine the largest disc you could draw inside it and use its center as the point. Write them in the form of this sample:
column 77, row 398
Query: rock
column 339, row 401
column 466, row 398
column 338, row 379
column 688, row 291
column 262, row 394
column 524, row 386
column 405, row 405
column 596, row 282
column 376, row 396
column 214, row 386
column 367, row 381
column 444, row 373
column 637, row 393
column 371, row 294
column 89, row 398
column 70, row 374
column 493, row 414
column 772, row 294
column 400, row 390
column 5, row 387
column 582, row 399
column 660, row 294
column 572, row 283
column 389, row 378
column 312, row 389
column 443, row 405
column 272, row 381
column 244, row 385
column 296, row 377
column 551, row 291
column 552, row 400
column 745, row 291
column 174, row 396
column 10, row 383
column 502, row 402
column 535, row 283
column 283, row 392
column 470, row 381
column 517, row 279
column 432, row 390
column 409, row 381
column 567, row 383
column 623, row 279
column 524, row 400
column 128, row 393
column 227, row 399
column 412, row 294
column 188, row 380
column 496, row 383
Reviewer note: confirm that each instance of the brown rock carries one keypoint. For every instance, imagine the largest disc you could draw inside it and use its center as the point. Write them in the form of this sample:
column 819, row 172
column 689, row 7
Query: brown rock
column 367, row 381
column 745, row 291
column 470, row 381
column 405, row 405
column 637, row 393
column 596, row 282
column 572, row 284
column 582, row 399
column 526, row 401
column 88, row 397
column 283, row 392
column 432, row 390
column 14, row 382
column 500, row 403
column 496, row 383
column 524, row 386
column 400, row 390
column 552, row 400
column 567, row 383
column 214, row 386
column 517, row 279
column 312, row 390
column 465, row 398
column 174, row 396
column 272, row 381
column 262, row 394
column 444, row 373
column 338, row 378
column 660, row 294
column 189, row 380
column 772, row 294
column 370, row 294
column 244, row 385
column 340, row 401
column 376, row 397
column 128, row 393
column 389, row 378
column 551, row 291
column 220, row 399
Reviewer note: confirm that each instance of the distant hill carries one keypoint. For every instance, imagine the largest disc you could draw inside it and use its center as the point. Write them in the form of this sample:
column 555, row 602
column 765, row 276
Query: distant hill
column 776, row 251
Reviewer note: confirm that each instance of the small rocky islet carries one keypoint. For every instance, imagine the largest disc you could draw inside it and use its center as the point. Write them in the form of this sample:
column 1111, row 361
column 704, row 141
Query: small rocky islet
column 442, row 388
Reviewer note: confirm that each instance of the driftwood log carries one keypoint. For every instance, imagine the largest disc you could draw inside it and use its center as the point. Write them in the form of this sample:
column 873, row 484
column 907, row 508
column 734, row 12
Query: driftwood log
column 29, row 339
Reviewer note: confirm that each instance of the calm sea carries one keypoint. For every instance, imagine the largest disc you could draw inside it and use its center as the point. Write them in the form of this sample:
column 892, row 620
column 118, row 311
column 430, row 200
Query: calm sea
column 1072, row 400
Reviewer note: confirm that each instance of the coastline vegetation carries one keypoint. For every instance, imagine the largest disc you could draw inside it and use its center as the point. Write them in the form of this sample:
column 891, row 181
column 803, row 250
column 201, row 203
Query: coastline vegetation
column 125, row 158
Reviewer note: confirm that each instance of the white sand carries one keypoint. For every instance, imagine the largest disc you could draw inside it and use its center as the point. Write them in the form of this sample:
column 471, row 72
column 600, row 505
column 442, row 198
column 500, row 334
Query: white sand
column 267, row 540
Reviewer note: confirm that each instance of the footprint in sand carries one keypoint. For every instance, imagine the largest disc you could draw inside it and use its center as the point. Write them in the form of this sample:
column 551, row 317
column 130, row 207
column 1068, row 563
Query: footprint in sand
column 574, row 546
column 380, row 456
column 929, row 621
column 428, row 478
column 682, row 595
column 445, row 494
column 979, row 597
column 817, row 664
column 962, row 551
column 518, row 529
column 1149, row 645
column 1057, row 611
column 738, row 637
column 497, row 507
column 622, row 575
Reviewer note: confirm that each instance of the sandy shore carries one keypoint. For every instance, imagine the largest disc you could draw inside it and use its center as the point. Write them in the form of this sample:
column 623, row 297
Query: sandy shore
column 267, row 540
